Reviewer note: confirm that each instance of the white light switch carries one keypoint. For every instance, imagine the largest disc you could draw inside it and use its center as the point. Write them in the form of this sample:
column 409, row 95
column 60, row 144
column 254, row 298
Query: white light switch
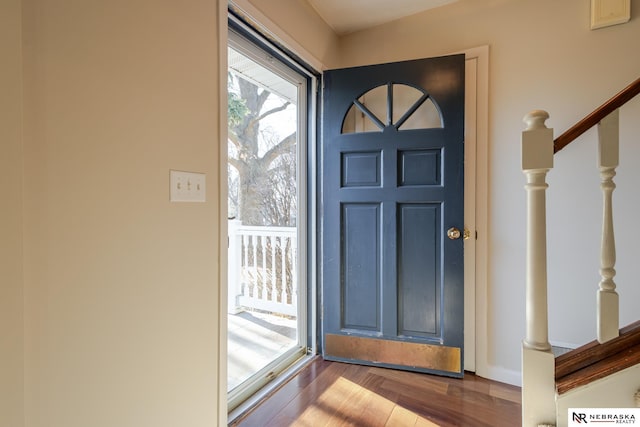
column 187, row 186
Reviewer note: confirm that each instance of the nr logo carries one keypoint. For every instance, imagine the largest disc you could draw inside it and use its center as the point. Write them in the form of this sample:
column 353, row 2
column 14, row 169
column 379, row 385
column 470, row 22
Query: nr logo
column 580, row 418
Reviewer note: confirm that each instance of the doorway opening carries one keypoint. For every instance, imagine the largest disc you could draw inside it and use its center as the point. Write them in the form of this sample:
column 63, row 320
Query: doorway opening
column 268, row 109
column 475, row 217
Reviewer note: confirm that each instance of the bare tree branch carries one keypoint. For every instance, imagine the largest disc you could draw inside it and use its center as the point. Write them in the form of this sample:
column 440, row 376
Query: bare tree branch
column 239, row 165
column 257, row 100
column 262, row 98
column 273, row 111
column 254, row 120
column 279, row 149
column 259, row 194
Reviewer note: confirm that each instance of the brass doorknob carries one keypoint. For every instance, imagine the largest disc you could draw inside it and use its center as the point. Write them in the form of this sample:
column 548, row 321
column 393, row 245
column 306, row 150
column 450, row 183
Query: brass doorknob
column 453, row 233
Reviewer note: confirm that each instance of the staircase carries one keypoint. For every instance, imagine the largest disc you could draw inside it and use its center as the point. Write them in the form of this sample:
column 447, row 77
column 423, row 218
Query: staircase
column 604, row 373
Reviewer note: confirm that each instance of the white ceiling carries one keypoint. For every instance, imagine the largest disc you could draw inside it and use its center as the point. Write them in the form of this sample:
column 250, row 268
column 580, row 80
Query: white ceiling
column 248, row 69
column 347, row 16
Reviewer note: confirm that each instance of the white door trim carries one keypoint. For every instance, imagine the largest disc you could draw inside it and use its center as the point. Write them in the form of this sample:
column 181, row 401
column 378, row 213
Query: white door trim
column 476, row 208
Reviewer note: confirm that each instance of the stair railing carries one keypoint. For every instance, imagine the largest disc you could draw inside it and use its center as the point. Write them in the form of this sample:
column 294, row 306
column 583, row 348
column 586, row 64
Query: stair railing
column 538, row 147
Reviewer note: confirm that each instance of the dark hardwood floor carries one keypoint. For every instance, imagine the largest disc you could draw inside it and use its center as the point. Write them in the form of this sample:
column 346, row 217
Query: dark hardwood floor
column 339, row 394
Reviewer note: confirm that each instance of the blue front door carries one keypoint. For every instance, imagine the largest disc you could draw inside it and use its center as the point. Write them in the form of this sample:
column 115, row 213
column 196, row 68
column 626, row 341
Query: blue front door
column 392, row 211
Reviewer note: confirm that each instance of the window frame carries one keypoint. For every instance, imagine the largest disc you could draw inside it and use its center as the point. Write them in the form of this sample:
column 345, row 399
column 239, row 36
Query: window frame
column 249, row 42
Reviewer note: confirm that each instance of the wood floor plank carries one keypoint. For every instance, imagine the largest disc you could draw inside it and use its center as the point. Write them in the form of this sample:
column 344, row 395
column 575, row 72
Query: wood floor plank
column 410, row 378
column 434, row 406
column 506, row 392
column 340, row 394
column 286, row 393
column 401, row 417
column 375, row 409
column 422, row 422
column 292, row 396
column 307, row 403
column 365, row 407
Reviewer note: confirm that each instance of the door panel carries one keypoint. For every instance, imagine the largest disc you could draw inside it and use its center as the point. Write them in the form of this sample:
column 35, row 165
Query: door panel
column 392, row 183
column 418, row 269
column 360, row 272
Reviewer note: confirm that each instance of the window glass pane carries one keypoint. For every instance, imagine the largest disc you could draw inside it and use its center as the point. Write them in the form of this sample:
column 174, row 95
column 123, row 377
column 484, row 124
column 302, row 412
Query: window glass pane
column 375, row 101
column 357, row 121
column 422, row 113
column 266, row 107
column 404, row 97
column 426, row 116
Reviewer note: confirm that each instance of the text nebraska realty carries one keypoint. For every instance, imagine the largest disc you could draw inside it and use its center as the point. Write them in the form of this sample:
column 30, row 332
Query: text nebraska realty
column 601, row 418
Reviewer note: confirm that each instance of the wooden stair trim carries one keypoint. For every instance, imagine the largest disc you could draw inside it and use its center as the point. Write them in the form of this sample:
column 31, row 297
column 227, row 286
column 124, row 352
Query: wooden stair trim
column 593, row 361
column 596, row 116
column 616, row 363
column 593, row 352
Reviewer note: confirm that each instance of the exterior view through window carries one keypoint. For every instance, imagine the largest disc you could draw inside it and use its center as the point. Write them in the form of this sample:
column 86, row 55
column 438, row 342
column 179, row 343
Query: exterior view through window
column 266, row 177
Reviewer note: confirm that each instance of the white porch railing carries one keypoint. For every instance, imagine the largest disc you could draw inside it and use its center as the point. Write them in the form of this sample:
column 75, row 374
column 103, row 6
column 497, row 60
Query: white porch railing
column 262, row 269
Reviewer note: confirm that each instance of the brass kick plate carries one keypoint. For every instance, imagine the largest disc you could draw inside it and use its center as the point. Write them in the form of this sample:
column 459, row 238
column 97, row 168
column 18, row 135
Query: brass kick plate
column 417, row 355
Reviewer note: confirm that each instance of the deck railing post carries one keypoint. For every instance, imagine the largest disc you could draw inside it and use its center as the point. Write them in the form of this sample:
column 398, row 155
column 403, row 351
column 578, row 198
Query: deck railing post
column 294, row 273
column 538, row 364
column 234, row 267
column 608, row 159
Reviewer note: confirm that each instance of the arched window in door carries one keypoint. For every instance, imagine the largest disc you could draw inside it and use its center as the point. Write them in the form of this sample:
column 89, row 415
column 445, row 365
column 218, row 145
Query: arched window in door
column 400, row 106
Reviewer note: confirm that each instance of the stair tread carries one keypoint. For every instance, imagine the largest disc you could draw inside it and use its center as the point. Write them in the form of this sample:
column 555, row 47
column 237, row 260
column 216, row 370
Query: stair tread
column 594, row 360
column 619, row 361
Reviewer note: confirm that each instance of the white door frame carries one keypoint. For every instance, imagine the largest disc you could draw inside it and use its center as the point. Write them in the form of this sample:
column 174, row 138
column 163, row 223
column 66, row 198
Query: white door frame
column 476, row 208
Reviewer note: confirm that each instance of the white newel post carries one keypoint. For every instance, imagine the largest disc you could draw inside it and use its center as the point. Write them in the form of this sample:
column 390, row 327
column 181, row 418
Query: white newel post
column 234, row 267
column 608, row 154
column 538, row 364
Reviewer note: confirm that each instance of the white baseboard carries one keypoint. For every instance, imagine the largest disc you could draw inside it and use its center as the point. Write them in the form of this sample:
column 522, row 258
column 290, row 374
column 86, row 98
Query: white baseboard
column 497, row 373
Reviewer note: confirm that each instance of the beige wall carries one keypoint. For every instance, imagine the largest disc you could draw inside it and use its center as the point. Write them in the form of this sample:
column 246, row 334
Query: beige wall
column 120, row 289
column 542, row 55
column 121, row 286
column 11, row 309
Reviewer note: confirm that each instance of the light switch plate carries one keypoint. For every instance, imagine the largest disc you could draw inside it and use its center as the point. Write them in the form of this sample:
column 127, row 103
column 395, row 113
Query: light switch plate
column 187, row 186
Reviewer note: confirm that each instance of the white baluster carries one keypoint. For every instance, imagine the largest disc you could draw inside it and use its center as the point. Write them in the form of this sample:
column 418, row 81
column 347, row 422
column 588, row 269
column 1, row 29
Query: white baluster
column 244, row 248
column 608, row 155
column 538, row 364
column 263, row 275
column 254, row 268
column 234, row 268
column 272, row 275
column 283, row 267
column 294, row 272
